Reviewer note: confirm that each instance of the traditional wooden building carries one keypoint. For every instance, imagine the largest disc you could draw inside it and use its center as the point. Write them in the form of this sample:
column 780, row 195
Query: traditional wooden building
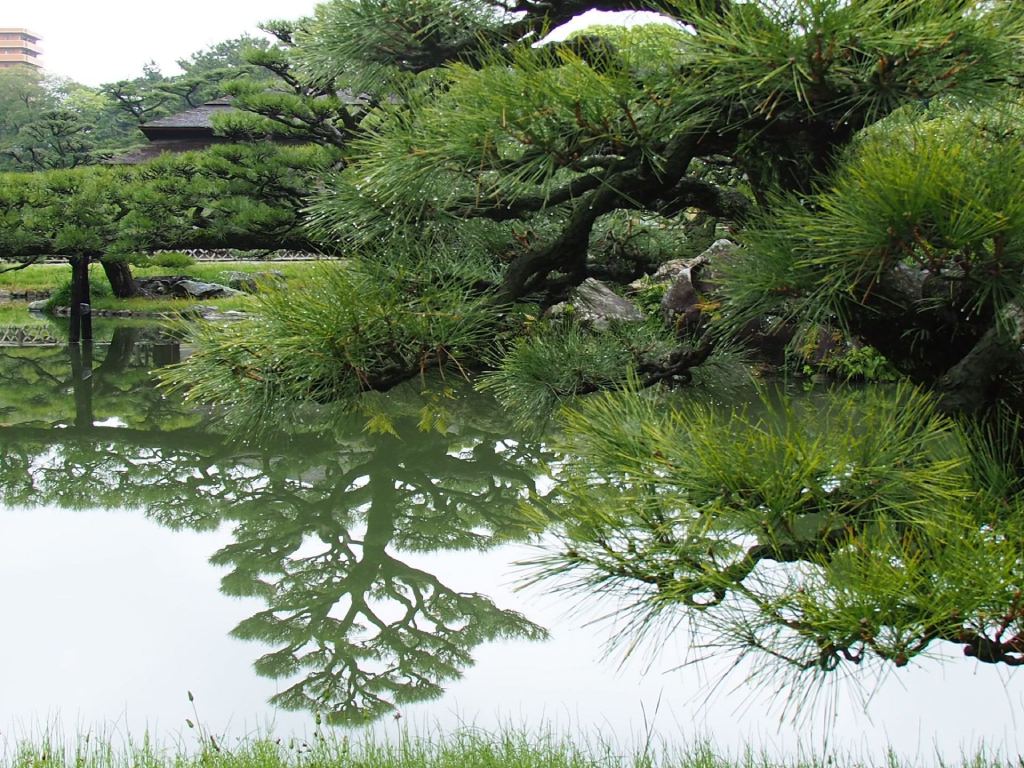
column 183, row 132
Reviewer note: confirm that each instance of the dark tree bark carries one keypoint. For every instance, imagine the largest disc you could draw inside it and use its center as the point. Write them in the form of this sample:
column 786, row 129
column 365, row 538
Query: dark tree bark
column 119, row 273
column 81, row 303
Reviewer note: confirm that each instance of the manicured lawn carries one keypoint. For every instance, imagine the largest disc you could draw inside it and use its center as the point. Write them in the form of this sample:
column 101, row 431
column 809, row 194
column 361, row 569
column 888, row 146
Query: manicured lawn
column 48, row 277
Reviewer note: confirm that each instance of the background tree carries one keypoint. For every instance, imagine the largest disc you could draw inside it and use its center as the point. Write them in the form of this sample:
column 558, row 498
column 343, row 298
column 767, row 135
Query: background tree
column 53, row 122
column 56, row 138
column 206, row 72
column 23, row 98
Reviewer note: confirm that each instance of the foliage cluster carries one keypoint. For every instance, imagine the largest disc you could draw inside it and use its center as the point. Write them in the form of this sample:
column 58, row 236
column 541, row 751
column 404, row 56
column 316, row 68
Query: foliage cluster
column 172, row 260
column 853, row 532
column 230, row 195
column 61, row 297
column 354, row 327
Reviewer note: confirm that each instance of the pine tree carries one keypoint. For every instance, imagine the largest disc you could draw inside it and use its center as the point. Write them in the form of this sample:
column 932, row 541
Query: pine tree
column 867, row 155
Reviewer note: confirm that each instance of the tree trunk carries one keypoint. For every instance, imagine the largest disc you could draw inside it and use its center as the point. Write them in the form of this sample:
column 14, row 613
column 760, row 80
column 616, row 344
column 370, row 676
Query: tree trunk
column 119, row 353
column 81, row 305
column 970, row 385
column 120, row 276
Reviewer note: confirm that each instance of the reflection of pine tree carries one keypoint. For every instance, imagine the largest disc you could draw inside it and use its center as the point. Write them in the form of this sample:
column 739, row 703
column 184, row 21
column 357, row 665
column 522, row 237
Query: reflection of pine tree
column 371, row 630
column 356, row 630
column 36, row 381
column 365, row 630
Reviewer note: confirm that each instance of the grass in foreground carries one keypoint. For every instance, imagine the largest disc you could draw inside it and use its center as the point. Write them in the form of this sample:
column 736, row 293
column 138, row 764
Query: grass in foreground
column 469, row 748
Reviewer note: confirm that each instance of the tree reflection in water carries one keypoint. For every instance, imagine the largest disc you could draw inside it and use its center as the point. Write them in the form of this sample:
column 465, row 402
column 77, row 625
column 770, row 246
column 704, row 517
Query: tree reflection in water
column 319, row 515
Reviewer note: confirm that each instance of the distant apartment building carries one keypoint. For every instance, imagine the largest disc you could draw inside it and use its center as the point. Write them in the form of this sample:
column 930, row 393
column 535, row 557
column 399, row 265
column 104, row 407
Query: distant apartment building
column 19, row 46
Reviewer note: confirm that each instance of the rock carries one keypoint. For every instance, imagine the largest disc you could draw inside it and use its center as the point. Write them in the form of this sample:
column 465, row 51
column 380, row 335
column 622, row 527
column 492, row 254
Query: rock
column 719, row 254
column 161, row 285
column 221, row 317
column 687, row 299
column 684, row 302
column 183, row 286
column 667, row 273
column 596, row 305
column 250, row 282
column 204, row 311
column 197, row 290
column 37, row 306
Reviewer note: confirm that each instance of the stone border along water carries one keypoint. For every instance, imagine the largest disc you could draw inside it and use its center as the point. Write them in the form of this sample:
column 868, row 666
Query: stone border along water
column 206, row 255
column 12, row 296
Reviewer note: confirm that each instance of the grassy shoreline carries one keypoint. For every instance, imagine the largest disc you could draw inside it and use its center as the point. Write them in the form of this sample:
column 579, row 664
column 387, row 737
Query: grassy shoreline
column 466, row 748
column 48, row 278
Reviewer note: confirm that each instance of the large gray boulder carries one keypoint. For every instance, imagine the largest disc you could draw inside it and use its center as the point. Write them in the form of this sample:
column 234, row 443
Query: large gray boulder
column 184, row 287
column 686, row 301
column 596, row 305
column 197, row 290
column 667, row 273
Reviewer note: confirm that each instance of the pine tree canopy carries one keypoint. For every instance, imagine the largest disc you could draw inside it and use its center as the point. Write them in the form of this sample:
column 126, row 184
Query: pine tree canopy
column 519, row 167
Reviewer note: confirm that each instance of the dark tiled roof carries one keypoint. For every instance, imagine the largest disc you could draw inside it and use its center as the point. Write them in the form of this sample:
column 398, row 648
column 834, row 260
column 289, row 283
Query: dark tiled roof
column 199, row 117
column 193, row 129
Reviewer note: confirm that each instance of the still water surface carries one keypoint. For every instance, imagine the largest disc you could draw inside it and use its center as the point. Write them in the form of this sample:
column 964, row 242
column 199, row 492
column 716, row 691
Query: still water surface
column 144, row 555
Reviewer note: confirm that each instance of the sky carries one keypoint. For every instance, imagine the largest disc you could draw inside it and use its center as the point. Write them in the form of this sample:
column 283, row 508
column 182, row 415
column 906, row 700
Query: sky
column 102, row 41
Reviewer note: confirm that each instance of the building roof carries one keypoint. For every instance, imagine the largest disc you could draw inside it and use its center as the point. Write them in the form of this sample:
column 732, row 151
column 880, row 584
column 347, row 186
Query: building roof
column 197, row 117
column 193, row 129
column 20, row 31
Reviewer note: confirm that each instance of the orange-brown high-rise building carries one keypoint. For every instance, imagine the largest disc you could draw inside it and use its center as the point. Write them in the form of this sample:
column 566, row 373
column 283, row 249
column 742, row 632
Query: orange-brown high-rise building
column 19, row 46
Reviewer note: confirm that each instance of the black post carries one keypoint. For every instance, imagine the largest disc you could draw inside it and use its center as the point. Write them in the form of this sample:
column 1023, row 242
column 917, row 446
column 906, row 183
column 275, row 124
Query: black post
column 81, row 304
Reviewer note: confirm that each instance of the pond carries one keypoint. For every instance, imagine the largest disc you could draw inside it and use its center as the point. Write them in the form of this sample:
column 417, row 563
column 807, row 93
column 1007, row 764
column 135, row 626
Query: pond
column 144, row 554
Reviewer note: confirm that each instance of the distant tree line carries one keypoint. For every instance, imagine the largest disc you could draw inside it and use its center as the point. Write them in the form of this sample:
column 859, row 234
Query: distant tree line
column 52, row 122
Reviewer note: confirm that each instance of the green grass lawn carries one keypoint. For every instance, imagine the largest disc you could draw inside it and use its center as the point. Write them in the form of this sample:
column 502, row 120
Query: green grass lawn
column 48, row 277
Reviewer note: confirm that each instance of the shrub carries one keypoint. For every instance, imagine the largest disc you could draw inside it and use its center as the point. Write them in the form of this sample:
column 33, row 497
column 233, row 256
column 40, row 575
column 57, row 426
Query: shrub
column 99, row 287
column 172, row 260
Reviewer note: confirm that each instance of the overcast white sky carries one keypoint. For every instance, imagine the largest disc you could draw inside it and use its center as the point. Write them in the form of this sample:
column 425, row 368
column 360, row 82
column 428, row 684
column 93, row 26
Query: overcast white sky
column 101, row 41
